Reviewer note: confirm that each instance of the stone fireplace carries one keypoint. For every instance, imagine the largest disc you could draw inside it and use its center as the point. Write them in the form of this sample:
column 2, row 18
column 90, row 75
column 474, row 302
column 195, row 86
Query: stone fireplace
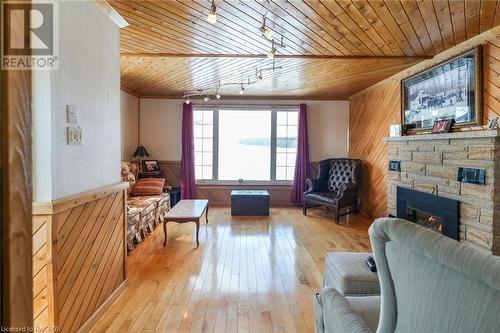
column 463, row 167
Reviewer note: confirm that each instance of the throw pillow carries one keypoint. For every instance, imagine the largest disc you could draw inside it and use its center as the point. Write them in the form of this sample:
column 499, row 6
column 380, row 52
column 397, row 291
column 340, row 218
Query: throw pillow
column 148, row 186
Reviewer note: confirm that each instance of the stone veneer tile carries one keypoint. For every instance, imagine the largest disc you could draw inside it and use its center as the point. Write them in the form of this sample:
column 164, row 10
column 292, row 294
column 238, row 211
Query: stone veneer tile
column 413, row 167
column 442, row 171
column 424, row 187
column 448, row 148
column 392, row 151
column 480, row 153
column 457, row 155
column 425, row 148
column 428, row 157
column 470, row 211
column 447, row 189
column 478, row 191
column 428, row 179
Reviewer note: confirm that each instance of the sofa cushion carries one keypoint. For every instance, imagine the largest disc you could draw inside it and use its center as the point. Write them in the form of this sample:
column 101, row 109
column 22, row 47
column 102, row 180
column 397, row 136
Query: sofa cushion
column 348, row 273
column 148, row 187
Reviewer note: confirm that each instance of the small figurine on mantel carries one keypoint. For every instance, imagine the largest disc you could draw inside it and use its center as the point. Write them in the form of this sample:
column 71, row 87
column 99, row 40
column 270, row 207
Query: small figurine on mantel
column 493, row 124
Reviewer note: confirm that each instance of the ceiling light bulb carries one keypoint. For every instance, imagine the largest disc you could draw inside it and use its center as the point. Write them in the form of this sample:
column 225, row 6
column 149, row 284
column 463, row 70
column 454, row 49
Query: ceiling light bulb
column 217, row 96
column 242, row 90
column 188, row 101
column 206, row 99
column 212, row 14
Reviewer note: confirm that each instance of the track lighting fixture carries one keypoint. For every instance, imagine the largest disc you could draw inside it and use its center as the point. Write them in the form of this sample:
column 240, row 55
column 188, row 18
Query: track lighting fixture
column 188, row 101
column 206, row 98
column 217, row 96
column 273, row 51
column 259, row 75
column 212, row 14
column 265, row 30
column 242, row 90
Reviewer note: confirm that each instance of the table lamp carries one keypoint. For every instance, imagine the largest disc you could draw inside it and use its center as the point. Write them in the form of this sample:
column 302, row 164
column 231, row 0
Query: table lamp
column 140, row 152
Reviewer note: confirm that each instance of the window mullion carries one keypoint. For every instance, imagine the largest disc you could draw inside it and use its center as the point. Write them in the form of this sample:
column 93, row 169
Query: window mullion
column 215, row 142
column 274, row 121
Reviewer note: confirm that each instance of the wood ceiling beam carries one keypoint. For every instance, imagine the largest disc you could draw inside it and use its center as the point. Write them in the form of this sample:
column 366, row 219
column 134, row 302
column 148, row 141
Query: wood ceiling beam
column 278, row 56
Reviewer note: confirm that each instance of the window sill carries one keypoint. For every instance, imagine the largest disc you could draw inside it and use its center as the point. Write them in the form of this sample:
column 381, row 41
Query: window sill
column 247, row 183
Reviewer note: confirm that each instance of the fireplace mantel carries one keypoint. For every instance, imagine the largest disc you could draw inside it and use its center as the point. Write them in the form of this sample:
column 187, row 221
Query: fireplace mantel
column 431, row 163
column 453, row 135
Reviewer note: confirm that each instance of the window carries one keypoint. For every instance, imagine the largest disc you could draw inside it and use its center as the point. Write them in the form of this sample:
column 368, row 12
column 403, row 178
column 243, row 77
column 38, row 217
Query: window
column 253, row 144
column 203, row 144
column 286, row 144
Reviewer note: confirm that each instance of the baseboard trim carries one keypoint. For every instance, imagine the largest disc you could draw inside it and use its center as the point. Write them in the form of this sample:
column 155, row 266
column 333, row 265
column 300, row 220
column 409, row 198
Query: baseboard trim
column 104, row 306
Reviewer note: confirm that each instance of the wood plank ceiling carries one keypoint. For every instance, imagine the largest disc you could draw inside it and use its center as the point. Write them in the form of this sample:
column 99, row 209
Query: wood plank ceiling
column 333, row 49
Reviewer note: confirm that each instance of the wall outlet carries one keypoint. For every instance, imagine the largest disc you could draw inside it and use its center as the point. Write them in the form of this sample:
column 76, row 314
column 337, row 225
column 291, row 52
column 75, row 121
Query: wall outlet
column 71, row 114
column 74, row 135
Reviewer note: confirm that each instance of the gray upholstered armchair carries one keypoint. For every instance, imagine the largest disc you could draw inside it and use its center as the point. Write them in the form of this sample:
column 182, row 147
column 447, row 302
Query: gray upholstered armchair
column 335, row 187
column 428, row 283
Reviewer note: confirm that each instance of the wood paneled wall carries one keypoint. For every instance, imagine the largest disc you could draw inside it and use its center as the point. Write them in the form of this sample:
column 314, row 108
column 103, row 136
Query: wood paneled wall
column 79, row 257
column 219, row 195
column 374, row 109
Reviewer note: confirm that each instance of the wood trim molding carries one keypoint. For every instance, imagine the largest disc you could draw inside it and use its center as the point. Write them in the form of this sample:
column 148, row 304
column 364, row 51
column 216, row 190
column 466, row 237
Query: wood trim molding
column 16, row 195
column 111, row 13
column 59, row 205
column 264, row 56
column 99, row 312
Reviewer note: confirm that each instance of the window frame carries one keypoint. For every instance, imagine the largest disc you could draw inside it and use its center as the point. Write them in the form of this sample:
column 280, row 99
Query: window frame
column 215, row 148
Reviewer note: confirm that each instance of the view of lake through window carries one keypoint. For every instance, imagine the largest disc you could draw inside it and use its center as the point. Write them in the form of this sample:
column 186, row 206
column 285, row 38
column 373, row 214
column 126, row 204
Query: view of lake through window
column 253, row 144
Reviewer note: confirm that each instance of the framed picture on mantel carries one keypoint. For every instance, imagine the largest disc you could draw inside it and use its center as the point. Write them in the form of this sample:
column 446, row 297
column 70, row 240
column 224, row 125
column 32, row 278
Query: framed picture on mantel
column 450, row 90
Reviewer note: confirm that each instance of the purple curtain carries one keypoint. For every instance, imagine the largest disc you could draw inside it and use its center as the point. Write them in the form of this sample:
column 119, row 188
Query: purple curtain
column 302, row 160
column 188, row 182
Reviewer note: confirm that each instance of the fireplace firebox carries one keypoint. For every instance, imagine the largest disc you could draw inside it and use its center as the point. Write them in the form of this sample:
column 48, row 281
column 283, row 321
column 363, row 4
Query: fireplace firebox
column 431, row 211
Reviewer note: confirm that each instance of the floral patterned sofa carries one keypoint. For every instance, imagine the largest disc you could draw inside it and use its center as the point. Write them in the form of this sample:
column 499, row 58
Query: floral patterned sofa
column 144, row 213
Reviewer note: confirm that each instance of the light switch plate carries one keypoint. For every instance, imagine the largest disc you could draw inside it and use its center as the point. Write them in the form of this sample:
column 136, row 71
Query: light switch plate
column 71, row 114
column 74, row 135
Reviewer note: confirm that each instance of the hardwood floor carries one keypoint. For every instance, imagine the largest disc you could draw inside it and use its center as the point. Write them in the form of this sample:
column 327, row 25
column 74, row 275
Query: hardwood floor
column 250, row 274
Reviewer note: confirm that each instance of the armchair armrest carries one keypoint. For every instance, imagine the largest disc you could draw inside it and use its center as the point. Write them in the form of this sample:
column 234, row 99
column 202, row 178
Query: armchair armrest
column 334, row 313
column 315, row 185
column 347, row 189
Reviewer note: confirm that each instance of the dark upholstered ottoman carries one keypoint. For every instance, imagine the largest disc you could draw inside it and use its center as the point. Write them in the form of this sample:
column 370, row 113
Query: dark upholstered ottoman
column 249, row 202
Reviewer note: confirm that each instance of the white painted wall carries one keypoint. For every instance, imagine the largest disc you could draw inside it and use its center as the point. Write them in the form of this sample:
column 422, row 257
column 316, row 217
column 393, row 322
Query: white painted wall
column 88, row 78
column 129, row 106
column 160, row 127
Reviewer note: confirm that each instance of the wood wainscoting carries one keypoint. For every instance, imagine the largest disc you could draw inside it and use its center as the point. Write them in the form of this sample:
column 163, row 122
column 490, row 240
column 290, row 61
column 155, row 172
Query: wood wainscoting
column 79, row 257
column 374, row 109
column 219, row 195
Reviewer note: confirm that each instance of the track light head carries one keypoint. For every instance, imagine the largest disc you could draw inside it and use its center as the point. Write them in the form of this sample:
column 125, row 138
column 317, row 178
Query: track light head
column 212, row 14
column 188, row 101
column 265, row 30
column 242, row 90
column 217, row 96
column 273, row 51
column 206, row 98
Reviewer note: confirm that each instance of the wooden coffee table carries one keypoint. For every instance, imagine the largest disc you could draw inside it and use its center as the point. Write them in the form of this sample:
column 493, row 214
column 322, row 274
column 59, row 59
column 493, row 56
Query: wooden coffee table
column 187, row 211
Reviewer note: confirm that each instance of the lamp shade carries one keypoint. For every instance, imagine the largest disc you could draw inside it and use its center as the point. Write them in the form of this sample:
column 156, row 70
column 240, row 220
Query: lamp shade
column 141, row 152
